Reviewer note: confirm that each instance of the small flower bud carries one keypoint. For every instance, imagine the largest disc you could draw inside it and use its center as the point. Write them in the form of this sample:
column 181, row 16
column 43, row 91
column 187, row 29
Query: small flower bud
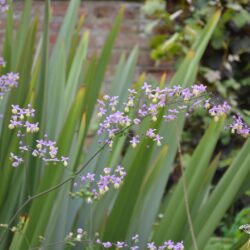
column 78, row 237
column 154, row 118
column 89, row 200
column 14, row 111
column 11, row 126
column 126, row 109
column 117, row 185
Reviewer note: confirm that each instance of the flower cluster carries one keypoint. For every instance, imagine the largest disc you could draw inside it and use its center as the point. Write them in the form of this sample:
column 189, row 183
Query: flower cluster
column 7, row 82
column 73, row 238
column 239, row 127
column 20, row 119
column 3, row 6
column 16, row 161
column 81, row 236
column 218, row 111
column 93, row 187
column 172, row 101
column 148, row 105
column 134, row 246
column 45, row 148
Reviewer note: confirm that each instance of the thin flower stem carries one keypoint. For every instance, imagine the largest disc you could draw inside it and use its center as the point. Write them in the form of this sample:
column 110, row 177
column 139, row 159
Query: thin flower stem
column 77, row 172
column 184, row 184
column 33, row 197
column 74, row 175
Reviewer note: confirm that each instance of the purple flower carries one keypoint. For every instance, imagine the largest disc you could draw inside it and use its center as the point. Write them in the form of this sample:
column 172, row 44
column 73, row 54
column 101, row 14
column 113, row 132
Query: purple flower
column 47, row 151
column 107, row 244
column 120, row 244
column 170, row 244
column 179, row 246
column 132, row 91
column 143, row 111
column 113, row 101
column 65, row 160
column 153, row 108
column 158, row 139
column 90, row 177
column 106, row 97
column 239, row 126
column 107, row 170
column 16, row 161
column 175, row 111
column 98, row 241
column 176, row 90
column 79, row 230
column 147, row 88
column 22, row 147
column 134, row 247
column 162, row 247
column 219, row 111
column 169, row 117
column 103, row 183
column 134, row 141
column 8, row 81
column 31, row 127
column 102, row 112
column 150, row 133
column 151, row 246
column 136, row 121
column 186, row 94
column 135, row 238
column 198, row 89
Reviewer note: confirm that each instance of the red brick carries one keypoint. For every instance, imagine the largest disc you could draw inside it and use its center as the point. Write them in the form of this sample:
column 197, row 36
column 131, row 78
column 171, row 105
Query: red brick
column 132, row 11
column 99, row 19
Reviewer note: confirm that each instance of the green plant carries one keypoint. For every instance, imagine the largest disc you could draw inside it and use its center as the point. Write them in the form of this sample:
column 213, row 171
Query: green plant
column 224, row 65
column 64, row 87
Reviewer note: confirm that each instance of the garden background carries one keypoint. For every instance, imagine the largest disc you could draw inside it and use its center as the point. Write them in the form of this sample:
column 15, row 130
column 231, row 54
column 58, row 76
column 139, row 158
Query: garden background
column 184, row 175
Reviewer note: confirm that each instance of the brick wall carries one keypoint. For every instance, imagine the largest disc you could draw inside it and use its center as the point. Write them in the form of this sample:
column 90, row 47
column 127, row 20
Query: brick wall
column 99, row 20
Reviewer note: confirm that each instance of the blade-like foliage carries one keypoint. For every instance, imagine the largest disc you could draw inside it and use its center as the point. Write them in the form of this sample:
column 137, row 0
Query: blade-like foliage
column 63, row 85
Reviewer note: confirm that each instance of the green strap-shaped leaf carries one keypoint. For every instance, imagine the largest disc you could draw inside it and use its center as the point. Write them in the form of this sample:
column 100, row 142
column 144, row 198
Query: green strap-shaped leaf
column 143, row 216
column 175, row 217
column 93, row 87
column 41, row 207
column 21, row 34
column 223, row 195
